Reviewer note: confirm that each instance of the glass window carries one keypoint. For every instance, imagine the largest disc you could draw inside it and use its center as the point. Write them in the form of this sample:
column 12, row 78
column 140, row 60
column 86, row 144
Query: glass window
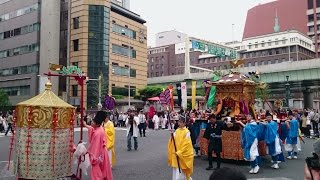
column 76, row 45
column 76, row 23
column 74, row 90
column 124, row 31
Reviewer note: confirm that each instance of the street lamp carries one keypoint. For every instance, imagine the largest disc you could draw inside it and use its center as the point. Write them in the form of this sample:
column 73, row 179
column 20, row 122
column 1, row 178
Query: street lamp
column 287, row 91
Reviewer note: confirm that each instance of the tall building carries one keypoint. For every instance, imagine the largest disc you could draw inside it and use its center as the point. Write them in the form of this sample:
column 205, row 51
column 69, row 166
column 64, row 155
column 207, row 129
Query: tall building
column 29, row 38
column 291, row 15
column 313, row 13
column 276, row 48
column 105, row 38
column 110, row 40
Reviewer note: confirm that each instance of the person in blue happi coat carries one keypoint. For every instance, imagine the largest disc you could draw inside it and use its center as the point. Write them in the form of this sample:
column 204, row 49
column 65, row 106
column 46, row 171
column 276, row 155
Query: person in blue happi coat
column 249, row 142
column 273, row 141
column 292, row 136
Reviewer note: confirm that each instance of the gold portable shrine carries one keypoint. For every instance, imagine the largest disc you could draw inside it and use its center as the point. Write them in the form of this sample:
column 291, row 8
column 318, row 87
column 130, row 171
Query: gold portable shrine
column 43, row 139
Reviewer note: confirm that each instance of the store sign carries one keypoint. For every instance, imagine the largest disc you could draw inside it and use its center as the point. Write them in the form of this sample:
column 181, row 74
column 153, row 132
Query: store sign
column 71, row 70
column 214, row 50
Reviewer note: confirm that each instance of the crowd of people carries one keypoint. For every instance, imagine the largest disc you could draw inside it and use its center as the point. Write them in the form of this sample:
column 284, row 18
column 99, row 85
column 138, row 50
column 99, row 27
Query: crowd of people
column 281, row 131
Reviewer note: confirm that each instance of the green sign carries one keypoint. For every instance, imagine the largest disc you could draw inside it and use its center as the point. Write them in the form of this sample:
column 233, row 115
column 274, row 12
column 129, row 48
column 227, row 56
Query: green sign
column 71, row 70
column 214, row 50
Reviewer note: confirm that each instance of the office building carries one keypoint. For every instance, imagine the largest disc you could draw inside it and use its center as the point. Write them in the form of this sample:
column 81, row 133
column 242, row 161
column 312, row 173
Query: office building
column 290, row 14
column 110, row 40
column 169, row 59
column 105, row 38
column 313, row 13
column 29, row 38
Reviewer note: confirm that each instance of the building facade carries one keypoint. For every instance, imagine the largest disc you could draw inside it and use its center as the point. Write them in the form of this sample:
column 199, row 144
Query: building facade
column 110, row 40
column 170, row 37
column 276, row 48
column 261, row 18
column 313, row 13
column 169, row 59
column 98, row 36
column 29, row 38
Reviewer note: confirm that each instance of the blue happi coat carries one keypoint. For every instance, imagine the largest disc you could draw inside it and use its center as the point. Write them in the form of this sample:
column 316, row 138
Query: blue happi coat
column 249, row 134
column 270, row 136
column 293, row 133
column 261, row 132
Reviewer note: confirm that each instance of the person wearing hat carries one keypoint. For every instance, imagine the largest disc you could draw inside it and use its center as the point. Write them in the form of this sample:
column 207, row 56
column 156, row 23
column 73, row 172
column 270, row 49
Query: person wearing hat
column 213, row 134
column 180, row 150
column 99, row 159
column 272, row 140
column 132, row 123
column 249, row 143
column 142, row 124
column 292, row 136
column 111, row 138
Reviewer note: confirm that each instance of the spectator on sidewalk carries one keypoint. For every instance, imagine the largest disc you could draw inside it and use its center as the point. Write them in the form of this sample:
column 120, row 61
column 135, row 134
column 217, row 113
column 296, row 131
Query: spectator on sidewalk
column 142, row 124
column 10, row 122
column 2, row 122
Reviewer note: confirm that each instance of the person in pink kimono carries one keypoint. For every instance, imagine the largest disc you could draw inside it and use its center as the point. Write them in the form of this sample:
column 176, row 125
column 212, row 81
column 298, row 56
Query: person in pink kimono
column 99, row 159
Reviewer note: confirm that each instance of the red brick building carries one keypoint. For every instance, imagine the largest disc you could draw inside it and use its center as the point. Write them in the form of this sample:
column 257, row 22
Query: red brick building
column 291, row 13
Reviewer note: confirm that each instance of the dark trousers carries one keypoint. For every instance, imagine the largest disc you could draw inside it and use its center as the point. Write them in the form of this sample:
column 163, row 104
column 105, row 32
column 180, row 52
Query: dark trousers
column 210, row 151
column 9, row 127
column 305, row 131
column 315, row 127
column 142, row 129
column 135, row 139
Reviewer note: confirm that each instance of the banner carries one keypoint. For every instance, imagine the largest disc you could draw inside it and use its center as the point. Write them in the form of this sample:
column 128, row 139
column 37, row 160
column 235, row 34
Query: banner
column 178, row 85
column 184, row 101
column 216, row 50
column 170, row 87
column 212, row 94
column 193, row 93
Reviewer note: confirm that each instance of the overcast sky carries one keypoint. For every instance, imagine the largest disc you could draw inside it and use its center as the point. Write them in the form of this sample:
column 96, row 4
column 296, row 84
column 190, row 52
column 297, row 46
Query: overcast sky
column 205, row 19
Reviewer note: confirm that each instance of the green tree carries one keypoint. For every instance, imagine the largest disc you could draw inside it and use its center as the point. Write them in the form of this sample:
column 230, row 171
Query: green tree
column 4, row 101
column 150, row 91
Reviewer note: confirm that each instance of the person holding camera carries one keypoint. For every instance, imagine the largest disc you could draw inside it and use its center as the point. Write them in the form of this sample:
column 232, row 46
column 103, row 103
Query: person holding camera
column 132, row 123
column 312, row 166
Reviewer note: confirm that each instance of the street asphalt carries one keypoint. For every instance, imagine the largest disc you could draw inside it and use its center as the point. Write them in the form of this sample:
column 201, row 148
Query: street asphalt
column 150, row 160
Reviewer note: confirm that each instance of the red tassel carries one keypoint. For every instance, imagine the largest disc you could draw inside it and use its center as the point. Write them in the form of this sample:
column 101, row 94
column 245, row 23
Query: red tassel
column 71, row 137
column 28, row 140
column 54, row 124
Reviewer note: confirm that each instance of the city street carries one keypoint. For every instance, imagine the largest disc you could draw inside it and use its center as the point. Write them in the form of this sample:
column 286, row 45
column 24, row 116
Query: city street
column 150, row 161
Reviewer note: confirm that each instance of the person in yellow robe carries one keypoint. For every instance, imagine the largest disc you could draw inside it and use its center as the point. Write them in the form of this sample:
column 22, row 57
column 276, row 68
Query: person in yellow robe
column 181, row 149
column 111, row 137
